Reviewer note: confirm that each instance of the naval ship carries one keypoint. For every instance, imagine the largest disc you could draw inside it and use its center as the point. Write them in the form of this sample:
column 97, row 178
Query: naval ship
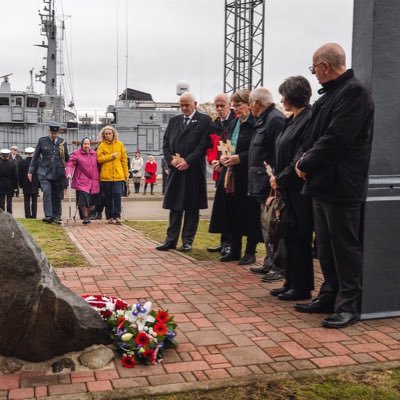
column 139, row 120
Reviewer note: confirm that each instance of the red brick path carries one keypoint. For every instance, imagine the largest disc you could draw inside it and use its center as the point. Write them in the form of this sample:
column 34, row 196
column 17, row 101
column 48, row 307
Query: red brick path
column 229, row 327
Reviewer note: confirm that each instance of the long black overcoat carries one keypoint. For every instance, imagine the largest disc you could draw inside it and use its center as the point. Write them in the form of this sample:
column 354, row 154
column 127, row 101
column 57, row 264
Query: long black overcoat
column 27, row 186
column 298, row 215
column 187, row 190
column 237, row 213
column 8, row 176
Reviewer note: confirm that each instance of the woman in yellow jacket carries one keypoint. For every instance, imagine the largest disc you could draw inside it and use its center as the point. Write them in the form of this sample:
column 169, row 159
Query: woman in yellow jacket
column 113, row 160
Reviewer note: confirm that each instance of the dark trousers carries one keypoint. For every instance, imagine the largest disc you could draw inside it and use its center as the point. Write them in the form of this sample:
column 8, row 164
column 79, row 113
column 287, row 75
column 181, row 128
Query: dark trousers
column 53, row 191
column 236, row 245
column 299, row 271
column 338, row 229
column 3, row 197
column 226, row 240
column 112, row 196
column 30, row 205
column 190, row 224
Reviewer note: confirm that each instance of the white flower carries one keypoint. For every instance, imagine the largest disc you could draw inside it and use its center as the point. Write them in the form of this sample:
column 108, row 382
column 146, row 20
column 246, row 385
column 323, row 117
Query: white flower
column 146, row 328
column 140, row 315
column 126, row 337
column 110, row 306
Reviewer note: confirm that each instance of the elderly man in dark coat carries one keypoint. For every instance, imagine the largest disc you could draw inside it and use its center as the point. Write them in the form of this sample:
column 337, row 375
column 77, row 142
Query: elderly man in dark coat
column 185, row 143
column 335, row 169
column 48, row 162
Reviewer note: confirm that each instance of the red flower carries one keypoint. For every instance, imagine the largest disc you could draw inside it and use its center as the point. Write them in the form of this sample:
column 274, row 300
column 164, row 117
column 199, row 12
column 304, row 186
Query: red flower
column 142, row 339
column 162, row 317
column 120, row 320
column 120, row 304
column 106, row 313
column 128, row 362
column 148, row 353
column 160, row 329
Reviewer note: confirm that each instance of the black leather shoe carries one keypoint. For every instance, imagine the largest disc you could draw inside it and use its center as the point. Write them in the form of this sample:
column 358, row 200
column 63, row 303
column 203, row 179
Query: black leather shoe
column 247, row 259
column 229, row 257
column 316, row 306
column 215, row 249
column 57, row 220
column 166, row 246
column 340, row 320
column 225, row 250
column 293, row 294
column 185, row 248
column 272, row 276
column 260, row 270
column 276, row 292
column 49, row 220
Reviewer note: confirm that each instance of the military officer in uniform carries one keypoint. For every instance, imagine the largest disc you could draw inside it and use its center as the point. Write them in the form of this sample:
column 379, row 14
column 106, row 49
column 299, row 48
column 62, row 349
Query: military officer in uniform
column 48, row 162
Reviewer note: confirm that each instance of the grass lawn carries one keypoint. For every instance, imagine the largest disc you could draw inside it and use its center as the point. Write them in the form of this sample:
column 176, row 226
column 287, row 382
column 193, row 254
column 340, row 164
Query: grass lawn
column 156, row 230
column 380, row 385
column 55, row 243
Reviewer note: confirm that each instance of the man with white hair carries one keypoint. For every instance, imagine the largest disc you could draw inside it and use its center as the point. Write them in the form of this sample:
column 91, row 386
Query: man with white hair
column 270, row 122
column 335, row 168
column 218, row 132
column 185, row 144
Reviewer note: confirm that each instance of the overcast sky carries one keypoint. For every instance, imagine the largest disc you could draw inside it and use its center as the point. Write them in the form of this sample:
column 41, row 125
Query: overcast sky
column 168, row 41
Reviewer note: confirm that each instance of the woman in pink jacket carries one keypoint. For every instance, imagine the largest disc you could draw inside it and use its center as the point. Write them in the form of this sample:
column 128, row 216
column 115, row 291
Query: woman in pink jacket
column 85, row 178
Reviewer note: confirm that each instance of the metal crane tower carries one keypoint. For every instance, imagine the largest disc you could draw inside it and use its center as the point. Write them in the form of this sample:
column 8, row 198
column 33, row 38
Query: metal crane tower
column 244, row 44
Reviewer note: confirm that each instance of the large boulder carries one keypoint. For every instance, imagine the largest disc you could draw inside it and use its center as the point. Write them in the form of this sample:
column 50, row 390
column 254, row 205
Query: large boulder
column 39, row 317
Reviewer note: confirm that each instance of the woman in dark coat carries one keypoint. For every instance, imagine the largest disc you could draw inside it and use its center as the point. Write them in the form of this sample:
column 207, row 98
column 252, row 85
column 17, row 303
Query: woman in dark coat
column 296, row 93
column 233, row 211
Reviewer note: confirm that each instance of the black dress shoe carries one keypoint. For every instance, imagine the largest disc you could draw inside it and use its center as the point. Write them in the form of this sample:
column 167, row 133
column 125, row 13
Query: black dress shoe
column 272, row 276
column 49, row 220
column 215, row 249
column 260, row 270
column 185, row 248
column 247, row 259
column 166, row 246
column 316, row 306
column 225, row 250
column 293, row 294
column 229, row 257
column 340, row 320
column 276, row 292
column 57, row 220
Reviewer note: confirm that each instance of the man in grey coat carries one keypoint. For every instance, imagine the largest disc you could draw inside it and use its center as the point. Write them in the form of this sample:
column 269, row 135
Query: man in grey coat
column 48, row 162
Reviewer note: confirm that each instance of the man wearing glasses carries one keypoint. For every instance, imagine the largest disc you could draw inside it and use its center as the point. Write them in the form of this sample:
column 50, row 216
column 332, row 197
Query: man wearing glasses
column 335, row 168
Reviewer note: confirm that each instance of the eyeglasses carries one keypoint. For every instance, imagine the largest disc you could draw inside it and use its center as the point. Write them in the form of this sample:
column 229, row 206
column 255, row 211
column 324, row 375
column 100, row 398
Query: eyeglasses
column 312, row 68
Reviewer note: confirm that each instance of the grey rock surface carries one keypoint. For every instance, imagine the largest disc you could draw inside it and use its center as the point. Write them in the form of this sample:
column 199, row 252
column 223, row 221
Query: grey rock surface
column 39, row 317
column 10, row 365
column 96, row 358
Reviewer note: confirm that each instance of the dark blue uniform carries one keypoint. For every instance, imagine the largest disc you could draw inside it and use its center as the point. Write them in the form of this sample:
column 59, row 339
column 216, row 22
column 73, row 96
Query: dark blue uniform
column 49, row 164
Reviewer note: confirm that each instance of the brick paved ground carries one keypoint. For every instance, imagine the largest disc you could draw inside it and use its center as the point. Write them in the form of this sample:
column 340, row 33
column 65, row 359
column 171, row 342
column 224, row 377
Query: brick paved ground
column 229, row 328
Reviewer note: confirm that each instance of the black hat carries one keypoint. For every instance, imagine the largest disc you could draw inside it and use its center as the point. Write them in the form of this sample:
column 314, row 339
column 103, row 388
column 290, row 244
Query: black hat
column 54, row 126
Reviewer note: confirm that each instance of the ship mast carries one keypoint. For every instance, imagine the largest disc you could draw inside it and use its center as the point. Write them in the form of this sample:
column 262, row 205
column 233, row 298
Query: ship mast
column 49, row 29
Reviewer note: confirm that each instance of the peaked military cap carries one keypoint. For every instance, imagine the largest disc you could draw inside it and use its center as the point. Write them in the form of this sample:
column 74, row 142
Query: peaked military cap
column 54, row 126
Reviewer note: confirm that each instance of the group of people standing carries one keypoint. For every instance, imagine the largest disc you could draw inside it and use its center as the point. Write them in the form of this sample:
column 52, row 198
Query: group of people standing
column 317, row 160
column 13, row 176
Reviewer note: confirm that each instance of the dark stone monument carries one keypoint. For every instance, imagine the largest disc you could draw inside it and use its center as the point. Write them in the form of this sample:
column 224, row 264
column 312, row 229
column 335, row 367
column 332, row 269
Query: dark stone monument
column 39, row 317
column 376, row 61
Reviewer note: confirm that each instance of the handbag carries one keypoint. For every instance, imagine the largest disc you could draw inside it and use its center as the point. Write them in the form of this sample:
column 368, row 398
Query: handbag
column 135, row 171
column 272, row 216
column 148, row 175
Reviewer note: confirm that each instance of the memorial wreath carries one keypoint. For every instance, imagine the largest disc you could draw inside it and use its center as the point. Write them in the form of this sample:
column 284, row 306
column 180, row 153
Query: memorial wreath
column 138, row 333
